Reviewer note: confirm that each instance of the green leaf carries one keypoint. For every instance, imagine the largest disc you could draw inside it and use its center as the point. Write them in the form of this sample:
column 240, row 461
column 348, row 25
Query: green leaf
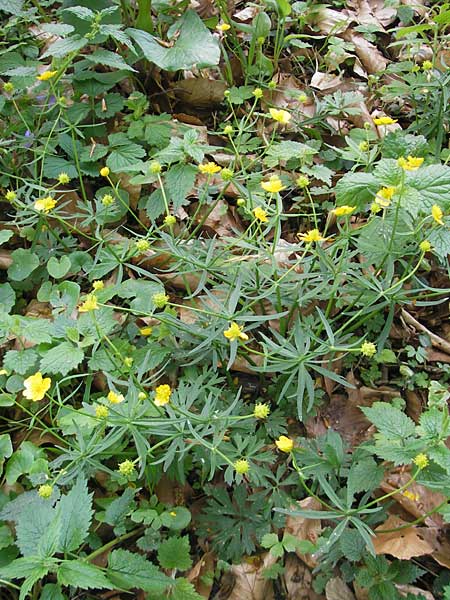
column 179, row 181
column 439, row 239
column 114, row 212
column 63, row 47
column 364, row 475
column 129, row 570
column 123, row 155
column 5, row 235
column 182, row 589
column 356, row 189
column 7, row 297
column 37, row 331
column 269, row 539
column 82, row 575
column 288, row 150
column 76, row 510
column 120, row 507
column 51, row 591
column 21, row 361
column 109, row 59
column 24, row 263
column 32, row 525
column 352, row 545
column 6, row 536
column 194, row 45
column 178, row 517
column 238, row 95
column 390, row 421
column 58, row 268
column 6, row 448
column 173, row 553
column 433, row 183
column 62, row 359
column 21, row 461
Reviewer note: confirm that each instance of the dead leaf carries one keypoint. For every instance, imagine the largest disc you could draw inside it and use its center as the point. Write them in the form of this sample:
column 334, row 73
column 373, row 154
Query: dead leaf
column 305, row 529
column 337, row 589
column 369, row 55
column 415, row 591
column 249, row 582
column 197, row 574
column 199, row 92
column 326, row 82
column 5, row 259
column 372, row 12
column 403, row 544
column 329, row 21
column 297, row 580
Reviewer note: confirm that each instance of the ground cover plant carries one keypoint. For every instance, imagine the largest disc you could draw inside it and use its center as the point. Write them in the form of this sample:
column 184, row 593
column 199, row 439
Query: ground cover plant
column 224, row 300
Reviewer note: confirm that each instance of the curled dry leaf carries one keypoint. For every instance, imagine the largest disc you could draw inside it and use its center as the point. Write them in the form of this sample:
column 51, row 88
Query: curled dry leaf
column 305, row 529
column 403, row 544
column 337, row 589
column 329, row 21
column 197, row 574
column 326, row 82
column 249, row 581
column 372, row 12
column 369, row 55
column 415, row 591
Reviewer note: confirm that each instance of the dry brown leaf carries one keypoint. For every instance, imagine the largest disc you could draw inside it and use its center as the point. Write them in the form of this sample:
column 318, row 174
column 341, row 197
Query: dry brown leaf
column 297, row 580
column 415, row 591
column 199, row 92
column 372, row 12
column 220, row 220
column 305, row 529
column 403, row 544
column 329, row 21
column 249, row 582
column 422, row 500
column 197, row 574
column 326, row 82
column 337, row 589
column 5, row 259
column 369, row 55
column 247, row 13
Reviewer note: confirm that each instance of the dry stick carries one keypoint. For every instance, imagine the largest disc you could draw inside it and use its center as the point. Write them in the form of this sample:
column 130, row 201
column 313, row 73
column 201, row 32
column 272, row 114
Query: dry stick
column 436, row 341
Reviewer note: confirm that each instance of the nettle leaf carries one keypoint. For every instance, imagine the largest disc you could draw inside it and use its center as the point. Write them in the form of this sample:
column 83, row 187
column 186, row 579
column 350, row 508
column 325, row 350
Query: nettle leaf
column 182, row 589
column 173, row 553
column 124, row 153
column 37, row 331
column 120, row 507
column 390, row 421
column 63, row 47
column 433, row 183
column 20, row 361
column 62, row 359
column 363, row 476
column 179, row 182
column 7, row 297
column 82, row 575
column 356, row 189
column 439, row 239
column 51, row 591
column 194, row 45
column 24, row 263
column 109, row 59
column 76, row 511
column 129, row 570
column 33, row 522
column 288, row 150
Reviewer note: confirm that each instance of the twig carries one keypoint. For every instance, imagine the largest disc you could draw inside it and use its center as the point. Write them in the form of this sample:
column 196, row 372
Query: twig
column 436, row 341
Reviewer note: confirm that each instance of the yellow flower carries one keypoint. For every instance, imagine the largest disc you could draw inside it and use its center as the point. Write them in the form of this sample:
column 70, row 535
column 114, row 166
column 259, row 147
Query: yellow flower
column 104, row 171
column 284, row 444
column 260, row 214
column 98, row 285
column 63, row 178
column 45, row 491
column 107, row 200
column 162, row 394
column 261, row 411
column 234, row 332
column 228, row 130
column 115, row 398
column 46, row 75
column 311, row 236
column 10, row 196
column 412, row 163
column 223, row 27
column 36, row 386
column 274, row 185
column 342, row 211
column 410, row 495
column 384, row 121
column 280, row 115
column 101, row 411
column 375, row 208
column 146, row 331
column 126, row 468
column 427, row 65
column 425, row 246
column 128, row 361
column 421, row 460
column 89, row 304
column 437, row 214
column 368, row 349
column 384, row 196
column 160, row 299
column 210, row 168
column 241, row 466
column 45, row 204
column 155, row 167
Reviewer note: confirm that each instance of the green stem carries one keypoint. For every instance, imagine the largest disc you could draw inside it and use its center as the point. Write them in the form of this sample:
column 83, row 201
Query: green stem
column 144, row 18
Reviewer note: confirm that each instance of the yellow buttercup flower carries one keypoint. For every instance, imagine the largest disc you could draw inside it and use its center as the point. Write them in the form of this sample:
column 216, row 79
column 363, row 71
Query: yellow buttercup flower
column 241, row 466
column 384, row 196
column 421, row 460
column 384, row 121
column 261, row 411
column 45, row 490
column 46, row 75
column 104, row 171
column 260, row 214
column 311, row 236
column 146, row 331
column 412, row 163
column 45, row 204
column 36, row 387
column 210, row 168
column 342, row 211
column 114, row 397
column 274, row 185
column 89, row 304
column 162, row 394
column 280, row 115
column 284, row 444
column 234, row 332
column 410, row 495
column 437, row 214
column 223, row 27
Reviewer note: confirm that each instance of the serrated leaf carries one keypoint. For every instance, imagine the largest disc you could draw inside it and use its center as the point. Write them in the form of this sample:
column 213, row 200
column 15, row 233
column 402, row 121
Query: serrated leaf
column 129, row 570
column 7, row 297
column 173, row 553
column 184, row 590
column 120, row 507
column 32, row 525
column 62, row 359
column 356, row 189
column 109, row 59
column 179, row 181
column 20, row 361
column 38, row 331
column 390, row 421
column 439, row 239
column 63, row 47
column 364, row 475
column 194, row 45
column 82, row 575
column 433, row 183
column 51, row 591
column 76, row 511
